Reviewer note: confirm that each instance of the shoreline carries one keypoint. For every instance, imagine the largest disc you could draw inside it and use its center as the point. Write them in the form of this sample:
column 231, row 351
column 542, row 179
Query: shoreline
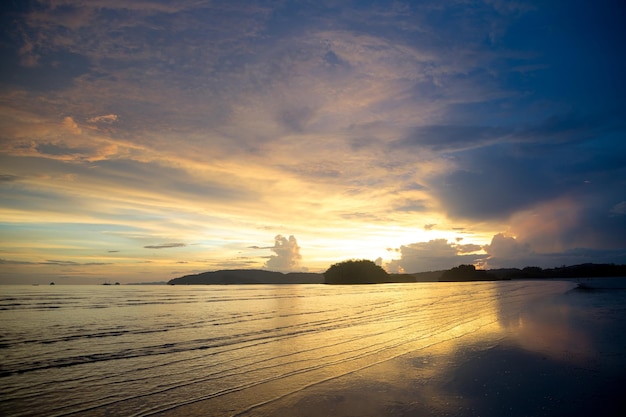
column 565, row 356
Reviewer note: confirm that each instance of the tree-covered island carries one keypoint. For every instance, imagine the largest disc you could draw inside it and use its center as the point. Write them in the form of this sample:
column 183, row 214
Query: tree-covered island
column 355, row 272
column 367, row 272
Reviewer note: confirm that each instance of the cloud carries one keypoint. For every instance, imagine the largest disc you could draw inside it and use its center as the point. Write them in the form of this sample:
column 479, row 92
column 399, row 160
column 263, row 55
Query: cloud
column 619, row 208
column 70, row 125
column 433, row 255
column 287, row 256
column 36, row 135
column 506, row 249
column 468, row 248
column 507, row 252
column 413, row 206
column 60, row 150
column 567, row 128
column 493, row 185
column 585, row 218
column 252, row 115
column 166, row 246
column 453, row 137
column 53, row 262
column 15, row 262
column 107, row 118
column 56, row 262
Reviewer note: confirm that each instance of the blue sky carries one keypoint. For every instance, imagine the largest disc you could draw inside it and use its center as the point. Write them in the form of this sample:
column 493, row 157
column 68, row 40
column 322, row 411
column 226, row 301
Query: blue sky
column 150, row 139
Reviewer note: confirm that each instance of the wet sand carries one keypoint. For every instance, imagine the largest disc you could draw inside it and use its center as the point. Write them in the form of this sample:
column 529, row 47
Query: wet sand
column 564, row 356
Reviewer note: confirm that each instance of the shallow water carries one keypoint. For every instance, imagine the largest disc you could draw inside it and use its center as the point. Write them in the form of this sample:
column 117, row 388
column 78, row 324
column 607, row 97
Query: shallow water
column 142, row 350
column 563, row 355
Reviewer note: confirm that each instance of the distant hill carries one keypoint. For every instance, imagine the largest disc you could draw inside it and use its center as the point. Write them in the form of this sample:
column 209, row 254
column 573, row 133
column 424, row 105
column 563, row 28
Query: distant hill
column 466, row 273
column 258, row 276
column 530, row 272
column 248, row 276
column 429, row 276
column 588, row 270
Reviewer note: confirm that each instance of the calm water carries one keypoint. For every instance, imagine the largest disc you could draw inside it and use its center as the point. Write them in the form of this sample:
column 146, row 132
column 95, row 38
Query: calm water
column 142, row 350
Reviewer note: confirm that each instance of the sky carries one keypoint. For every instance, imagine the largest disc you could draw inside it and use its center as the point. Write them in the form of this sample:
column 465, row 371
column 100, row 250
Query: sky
column 145, row 140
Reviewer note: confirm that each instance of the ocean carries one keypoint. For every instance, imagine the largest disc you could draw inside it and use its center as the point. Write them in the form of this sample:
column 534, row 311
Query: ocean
column 226, row 350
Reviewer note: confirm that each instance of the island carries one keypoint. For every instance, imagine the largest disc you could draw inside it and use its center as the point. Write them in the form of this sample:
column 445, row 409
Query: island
column 248, row 276
column 367, row 272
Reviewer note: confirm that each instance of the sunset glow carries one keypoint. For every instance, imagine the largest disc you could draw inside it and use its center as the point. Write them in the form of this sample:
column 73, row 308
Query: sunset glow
column 155, row 139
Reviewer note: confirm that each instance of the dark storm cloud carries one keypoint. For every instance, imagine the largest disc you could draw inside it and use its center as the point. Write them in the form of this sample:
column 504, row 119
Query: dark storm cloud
column 598, row 225
column 493, row 184
column 551, row 159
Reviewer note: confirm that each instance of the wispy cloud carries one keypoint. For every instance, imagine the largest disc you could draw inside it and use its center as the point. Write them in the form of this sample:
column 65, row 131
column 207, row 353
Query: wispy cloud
column 107, row 118
column 53, row 262
column 166, row 246
column 223, row 122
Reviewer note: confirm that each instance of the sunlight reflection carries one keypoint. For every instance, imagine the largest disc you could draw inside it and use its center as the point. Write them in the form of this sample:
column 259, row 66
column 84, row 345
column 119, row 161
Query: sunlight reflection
column 551, row 329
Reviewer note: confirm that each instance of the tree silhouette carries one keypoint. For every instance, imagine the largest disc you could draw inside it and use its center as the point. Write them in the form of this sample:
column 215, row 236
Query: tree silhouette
column 466, row 273
column 356, row 272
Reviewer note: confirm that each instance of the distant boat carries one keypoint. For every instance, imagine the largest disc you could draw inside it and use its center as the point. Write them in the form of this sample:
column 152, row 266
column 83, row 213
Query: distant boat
column 603, row 283
column 52, row 283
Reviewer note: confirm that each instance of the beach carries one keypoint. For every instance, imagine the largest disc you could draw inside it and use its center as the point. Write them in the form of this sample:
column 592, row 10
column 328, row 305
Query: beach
column 563, row 356
column 514, row 348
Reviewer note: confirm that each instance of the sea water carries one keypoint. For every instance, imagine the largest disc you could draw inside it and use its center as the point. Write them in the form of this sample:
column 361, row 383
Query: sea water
column 142, row 350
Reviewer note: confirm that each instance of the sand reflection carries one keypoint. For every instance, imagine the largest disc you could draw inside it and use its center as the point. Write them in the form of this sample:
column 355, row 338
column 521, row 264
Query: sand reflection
column 551, row 330
column 513, row 349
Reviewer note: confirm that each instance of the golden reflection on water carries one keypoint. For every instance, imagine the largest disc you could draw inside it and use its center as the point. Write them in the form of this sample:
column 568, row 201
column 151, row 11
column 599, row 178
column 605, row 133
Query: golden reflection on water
column 551, row 329
column 223, row 350
column 366, row 327
column 333, row 331
column 486, row 350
